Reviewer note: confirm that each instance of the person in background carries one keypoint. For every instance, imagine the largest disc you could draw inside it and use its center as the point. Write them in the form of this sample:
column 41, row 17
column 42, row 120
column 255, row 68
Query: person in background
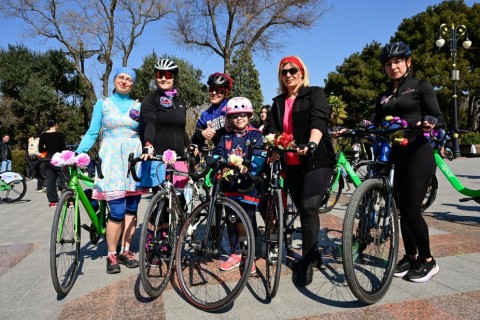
column 235, row 139
column 117, row 117
column 213, row 119
column 302, row 110
column 414, row 101
column 264, row 112
column 5, row 154
column 33, row 163
column 52, row 141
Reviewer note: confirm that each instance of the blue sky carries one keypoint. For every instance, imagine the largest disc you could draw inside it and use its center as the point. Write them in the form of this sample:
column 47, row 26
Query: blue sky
column 343, row 31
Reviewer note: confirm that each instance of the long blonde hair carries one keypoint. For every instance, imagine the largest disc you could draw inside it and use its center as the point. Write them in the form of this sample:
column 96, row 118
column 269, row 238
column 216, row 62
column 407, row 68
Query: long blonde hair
column 297, row 62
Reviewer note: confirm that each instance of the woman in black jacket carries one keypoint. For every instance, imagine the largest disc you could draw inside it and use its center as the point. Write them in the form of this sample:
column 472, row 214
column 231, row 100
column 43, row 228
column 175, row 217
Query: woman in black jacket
column 303, row 111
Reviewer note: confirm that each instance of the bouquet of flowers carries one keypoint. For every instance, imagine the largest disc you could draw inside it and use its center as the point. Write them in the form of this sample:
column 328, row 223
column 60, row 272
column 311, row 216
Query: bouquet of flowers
column 394, row 123
column 68, row 158
column 169, row 156
column 281, row 141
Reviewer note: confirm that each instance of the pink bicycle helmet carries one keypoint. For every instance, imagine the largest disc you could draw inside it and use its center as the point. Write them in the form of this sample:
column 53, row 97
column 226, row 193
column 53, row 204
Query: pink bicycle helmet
column 239, row 105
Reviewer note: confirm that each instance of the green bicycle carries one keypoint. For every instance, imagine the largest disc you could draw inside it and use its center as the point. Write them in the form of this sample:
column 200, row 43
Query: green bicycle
column 65, row 236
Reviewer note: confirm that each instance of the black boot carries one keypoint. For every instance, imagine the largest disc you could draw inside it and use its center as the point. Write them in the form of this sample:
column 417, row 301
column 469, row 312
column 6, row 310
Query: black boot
column 302, row 272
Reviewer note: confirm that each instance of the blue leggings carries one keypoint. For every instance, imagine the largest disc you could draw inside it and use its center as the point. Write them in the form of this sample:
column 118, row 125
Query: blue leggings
column 120, row 207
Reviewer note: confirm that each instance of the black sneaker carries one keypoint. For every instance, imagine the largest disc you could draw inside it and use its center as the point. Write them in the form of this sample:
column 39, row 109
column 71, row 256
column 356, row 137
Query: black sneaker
column 422, row 270
column 112, row 264
column 317, row 260
column 403, row 266
column 128, row 259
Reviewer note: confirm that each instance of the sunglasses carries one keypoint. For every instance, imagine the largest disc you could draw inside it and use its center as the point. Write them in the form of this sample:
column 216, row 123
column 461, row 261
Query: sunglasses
column 238, row 115
column 218, row 90
column 164, row 73
column 292, row 71
column 122, row 78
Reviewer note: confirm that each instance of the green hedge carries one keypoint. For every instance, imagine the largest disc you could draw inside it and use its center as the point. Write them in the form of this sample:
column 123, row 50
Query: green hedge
column 18, row 161
column 470, row 138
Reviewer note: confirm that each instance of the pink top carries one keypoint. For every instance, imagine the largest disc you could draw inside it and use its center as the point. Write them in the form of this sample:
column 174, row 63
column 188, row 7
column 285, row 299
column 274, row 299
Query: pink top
column 290, row 157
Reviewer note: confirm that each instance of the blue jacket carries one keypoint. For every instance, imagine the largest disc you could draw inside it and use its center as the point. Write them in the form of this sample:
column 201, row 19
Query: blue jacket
column 215, row 114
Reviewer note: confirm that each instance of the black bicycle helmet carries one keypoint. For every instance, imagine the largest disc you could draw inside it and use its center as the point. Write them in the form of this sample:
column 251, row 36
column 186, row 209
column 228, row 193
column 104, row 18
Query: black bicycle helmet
column 395, row 49
column 219, row 79
column 166, row 65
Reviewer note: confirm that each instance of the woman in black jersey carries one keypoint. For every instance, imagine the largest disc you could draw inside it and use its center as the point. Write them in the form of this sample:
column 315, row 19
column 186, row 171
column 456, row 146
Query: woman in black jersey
column 413, row 100
column 52, row 141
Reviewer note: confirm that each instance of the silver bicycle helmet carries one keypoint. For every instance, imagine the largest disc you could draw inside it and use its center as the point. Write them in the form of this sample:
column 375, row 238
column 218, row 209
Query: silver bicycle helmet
column 166, row 65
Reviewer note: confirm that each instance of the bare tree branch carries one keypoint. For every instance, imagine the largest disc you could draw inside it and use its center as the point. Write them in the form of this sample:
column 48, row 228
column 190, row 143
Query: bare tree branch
column 224, row 26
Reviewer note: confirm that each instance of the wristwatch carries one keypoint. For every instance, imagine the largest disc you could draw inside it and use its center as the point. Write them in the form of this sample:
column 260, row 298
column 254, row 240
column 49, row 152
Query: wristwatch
column 312, row 146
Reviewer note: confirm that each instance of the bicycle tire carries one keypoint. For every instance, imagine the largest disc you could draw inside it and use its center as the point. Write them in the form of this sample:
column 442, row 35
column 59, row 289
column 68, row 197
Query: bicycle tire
column 366, row 235
column 203, row 284
column 18, row 188
column 157, row 245
column 431, row 194
column 65, row 248
column 332, row 196
column 274, row 243
column 449, row 154
column 361, row 169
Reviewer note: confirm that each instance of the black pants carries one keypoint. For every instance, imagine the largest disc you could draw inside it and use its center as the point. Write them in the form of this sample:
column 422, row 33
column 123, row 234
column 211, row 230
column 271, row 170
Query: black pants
column 414, row 169
column 53, row 176
column 30, row 168
column 307, row 190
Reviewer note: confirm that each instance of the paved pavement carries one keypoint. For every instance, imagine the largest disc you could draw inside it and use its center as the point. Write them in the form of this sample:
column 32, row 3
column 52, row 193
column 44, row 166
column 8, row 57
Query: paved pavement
column 26, row 290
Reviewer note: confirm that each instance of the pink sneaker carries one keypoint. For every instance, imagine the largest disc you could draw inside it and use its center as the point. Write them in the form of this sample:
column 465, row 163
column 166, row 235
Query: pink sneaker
column 231, row 263
column 254, row 267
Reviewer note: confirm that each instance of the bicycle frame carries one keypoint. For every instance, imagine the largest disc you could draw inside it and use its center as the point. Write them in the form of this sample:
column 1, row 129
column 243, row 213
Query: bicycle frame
column 74, row 184
column 343, row 162
column 450, row 175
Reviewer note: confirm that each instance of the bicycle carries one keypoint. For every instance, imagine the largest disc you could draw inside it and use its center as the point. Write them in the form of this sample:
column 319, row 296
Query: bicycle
column 343, row 173
column 203, row 244
column 370, row 241
column 163, row 218
column 471, row 194
column 12, row 187
column 65, row 236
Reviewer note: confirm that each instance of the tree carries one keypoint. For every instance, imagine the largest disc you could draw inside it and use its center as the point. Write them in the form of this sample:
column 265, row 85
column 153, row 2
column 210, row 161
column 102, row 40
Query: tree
column 357, row 81
column 223, row 27
column 42, row 88
column 114, row 26
column 245, row 79
column 338, row 110
column 188, row 82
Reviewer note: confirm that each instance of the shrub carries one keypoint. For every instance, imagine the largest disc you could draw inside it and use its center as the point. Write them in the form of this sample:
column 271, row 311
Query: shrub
column 18, row 161
column 470, row 138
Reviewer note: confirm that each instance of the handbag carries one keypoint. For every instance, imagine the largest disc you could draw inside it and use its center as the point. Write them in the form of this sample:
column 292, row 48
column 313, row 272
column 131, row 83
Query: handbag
column 152, row 174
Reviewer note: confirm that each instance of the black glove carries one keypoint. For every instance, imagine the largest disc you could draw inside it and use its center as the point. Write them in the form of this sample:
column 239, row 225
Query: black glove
column 430, row 120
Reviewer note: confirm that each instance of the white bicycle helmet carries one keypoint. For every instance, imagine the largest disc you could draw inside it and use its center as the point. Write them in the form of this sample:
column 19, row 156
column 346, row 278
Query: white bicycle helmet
column 239, row 105
column 166, row 65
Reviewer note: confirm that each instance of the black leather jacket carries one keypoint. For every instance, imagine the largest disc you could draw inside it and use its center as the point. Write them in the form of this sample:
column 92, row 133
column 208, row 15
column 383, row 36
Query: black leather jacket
column 310, row 111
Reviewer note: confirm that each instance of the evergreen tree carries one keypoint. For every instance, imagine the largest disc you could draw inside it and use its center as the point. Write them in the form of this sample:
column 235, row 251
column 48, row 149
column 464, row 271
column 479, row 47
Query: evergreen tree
column 246, row 81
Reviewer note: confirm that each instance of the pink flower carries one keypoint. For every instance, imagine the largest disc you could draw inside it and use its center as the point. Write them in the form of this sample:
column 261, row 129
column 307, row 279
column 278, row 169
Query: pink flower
column 68, row 157
column 57, row 160
column 169, row 156
column 82, row 160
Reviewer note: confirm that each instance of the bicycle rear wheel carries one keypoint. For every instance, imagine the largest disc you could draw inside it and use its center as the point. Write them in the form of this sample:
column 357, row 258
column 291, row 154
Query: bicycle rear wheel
column 65, row 244
column 12, row 191
column 370, row 242
column 274, row 243
column 157, row 244
column 431, row 194
column 201, row 250
column 332, row 195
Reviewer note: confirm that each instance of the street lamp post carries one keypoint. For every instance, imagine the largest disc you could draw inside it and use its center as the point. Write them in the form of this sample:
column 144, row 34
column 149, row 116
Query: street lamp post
column 82, row 55
column 455, row 33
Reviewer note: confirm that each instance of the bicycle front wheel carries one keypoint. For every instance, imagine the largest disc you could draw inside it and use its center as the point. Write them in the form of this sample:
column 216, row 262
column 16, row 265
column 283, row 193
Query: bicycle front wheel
column 157, row 244
column 65, row 244
column 333, row 194
column 370, row 242
column 202, row 250
column 274, row 243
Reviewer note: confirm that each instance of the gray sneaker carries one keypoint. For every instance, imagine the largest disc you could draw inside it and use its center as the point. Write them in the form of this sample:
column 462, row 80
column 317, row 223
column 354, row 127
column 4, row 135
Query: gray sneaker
column 128, row 259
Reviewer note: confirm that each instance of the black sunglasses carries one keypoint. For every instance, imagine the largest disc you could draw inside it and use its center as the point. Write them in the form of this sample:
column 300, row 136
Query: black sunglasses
column 292, row 71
